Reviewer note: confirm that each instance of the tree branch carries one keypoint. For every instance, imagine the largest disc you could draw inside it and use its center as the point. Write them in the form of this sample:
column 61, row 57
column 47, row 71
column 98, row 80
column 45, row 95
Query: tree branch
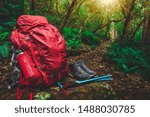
column 68, row 15
column 136, row 29
column 104, row 25
column 85, row 22
column 80, row 6
column 123, row 11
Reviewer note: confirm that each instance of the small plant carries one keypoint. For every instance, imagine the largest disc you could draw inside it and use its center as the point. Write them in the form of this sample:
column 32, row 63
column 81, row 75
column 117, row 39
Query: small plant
column 42, row 96
column 73, row 44
column 4, row 51
column 55, row 20
column 73, row 40
column 4, row 45
column 89, row 38
column 3, row 36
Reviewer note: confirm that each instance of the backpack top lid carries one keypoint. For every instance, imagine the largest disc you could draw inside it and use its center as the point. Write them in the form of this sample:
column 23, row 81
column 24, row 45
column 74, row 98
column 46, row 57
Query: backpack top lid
column 27, row 22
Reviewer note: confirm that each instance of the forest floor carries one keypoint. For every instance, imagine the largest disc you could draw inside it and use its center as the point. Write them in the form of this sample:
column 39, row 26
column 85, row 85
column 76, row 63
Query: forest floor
column 126, row 87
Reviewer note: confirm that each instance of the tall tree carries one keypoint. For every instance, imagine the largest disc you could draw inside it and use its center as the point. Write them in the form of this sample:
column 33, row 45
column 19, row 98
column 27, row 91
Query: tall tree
column 67, row 16
column 146, row 31
column 136, row 29
column 126, row 22
column 146, row 25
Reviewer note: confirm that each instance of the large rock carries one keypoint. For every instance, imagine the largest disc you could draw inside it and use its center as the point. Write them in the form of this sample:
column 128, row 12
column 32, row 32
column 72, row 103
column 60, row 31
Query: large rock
column 92, row 91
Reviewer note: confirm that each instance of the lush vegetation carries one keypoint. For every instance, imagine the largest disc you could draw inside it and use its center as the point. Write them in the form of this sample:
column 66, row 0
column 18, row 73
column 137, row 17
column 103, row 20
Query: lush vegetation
column 131, row 59
column 86, row 22
column 9, row 12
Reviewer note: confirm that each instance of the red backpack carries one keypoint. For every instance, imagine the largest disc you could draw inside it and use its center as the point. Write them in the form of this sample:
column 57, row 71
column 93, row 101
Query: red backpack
column 43, row 58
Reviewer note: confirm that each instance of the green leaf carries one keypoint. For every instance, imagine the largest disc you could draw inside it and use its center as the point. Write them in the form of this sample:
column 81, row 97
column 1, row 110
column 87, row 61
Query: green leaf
column 4, row 51
column 7, row 43
column 133, row 68
column 4, row 35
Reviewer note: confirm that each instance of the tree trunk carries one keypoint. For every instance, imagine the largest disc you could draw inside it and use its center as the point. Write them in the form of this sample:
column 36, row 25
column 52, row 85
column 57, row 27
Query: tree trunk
column 146, row 31
column 126, row 22
column 136, row 29
column 146, row 25
column 113, row 35
column 67, row 17
column 107, row 32
column 77, row 11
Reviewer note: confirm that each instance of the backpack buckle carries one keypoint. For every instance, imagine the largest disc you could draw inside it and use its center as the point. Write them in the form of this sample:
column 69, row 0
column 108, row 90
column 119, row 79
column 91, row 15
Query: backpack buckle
column 27, row 38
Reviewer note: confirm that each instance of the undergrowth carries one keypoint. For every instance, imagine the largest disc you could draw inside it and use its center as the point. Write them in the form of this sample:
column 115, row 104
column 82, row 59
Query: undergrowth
column 133, row 58
column 9, row 12
column 75, row 40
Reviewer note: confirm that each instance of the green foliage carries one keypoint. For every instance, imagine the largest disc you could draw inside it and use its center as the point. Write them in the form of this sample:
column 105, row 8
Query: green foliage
column 130, row 59
column 42, row 96
column 9, row 12
column 4, row 44
column 138, row 35
column 73, row 40
column 55, row 20
column 4, row 50
column 3, row 36
column 119, row 27
column 89, row 38
column 73, row 44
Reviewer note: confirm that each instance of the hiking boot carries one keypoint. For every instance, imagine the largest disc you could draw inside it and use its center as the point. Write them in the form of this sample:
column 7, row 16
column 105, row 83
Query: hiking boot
column 85, row 68
column 77, row 72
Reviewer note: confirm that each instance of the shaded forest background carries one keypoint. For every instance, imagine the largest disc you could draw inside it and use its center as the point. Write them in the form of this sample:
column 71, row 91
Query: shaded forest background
column 125, row 23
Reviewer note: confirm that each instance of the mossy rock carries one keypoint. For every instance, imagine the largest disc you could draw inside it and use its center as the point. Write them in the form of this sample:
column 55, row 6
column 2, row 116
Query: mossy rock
column 92, row 91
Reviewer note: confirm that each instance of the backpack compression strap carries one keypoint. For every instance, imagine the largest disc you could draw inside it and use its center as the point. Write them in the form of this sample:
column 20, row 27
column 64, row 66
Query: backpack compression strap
column 19, row 92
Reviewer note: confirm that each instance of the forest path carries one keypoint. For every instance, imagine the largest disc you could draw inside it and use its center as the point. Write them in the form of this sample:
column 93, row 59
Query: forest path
column 125, row 86
column 121, row 87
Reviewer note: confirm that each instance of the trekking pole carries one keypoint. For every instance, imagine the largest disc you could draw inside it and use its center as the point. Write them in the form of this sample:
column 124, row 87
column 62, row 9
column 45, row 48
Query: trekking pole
column 62, row 88
column 97, row 79
column 101, row 78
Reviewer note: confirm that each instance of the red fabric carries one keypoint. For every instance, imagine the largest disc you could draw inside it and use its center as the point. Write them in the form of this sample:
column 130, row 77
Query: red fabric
column 19, row 93
column 31, row 96
column 44, row 44
column 65, row 93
